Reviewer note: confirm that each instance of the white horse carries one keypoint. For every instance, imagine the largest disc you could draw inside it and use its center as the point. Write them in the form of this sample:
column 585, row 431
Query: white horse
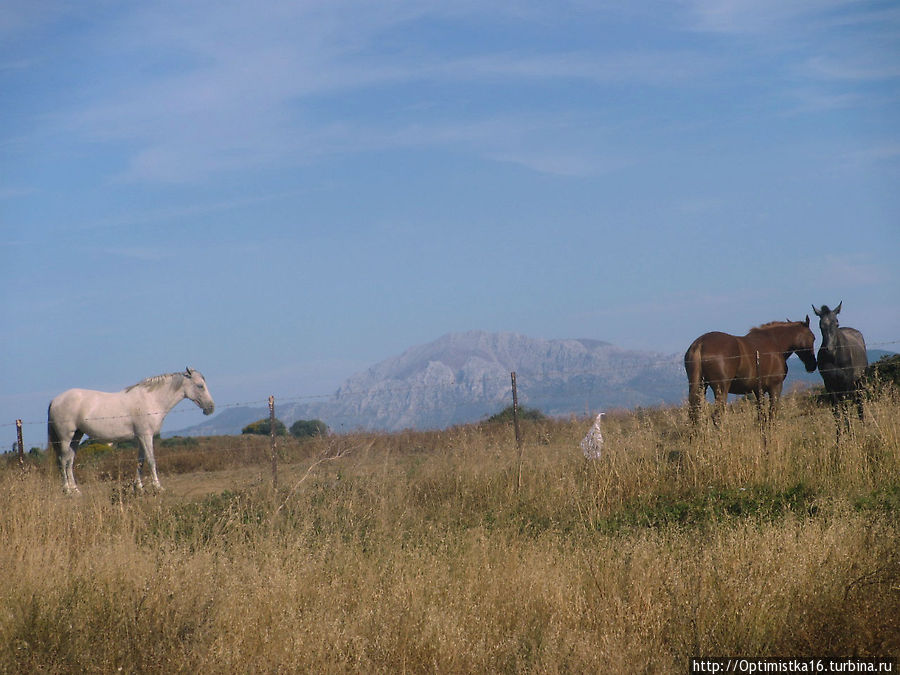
column 133, row 413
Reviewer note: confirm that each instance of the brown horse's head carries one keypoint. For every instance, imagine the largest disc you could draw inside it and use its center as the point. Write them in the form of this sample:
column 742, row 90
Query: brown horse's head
column 802, row 344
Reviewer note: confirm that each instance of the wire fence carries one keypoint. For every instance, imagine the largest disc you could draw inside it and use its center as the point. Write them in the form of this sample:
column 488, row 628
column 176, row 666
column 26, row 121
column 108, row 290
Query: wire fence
column 675, row 362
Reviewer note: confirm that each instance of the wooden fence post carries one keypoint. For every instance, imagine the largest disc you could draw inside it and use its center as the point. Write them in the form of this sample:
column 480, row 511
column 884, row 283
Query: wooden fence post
column 272, row 438
column 516, row 427
column 20, row 444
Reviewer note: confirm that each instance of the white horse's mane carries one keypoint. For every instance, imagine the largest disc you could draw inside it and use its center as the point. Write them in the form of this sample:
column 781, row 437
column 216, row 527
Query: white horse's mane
column 153, row 382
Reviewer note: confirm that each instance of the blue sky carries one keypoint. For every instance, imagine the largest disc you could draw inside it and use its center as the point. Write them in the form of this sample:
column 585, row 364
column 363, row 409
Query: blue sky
column 283, row 193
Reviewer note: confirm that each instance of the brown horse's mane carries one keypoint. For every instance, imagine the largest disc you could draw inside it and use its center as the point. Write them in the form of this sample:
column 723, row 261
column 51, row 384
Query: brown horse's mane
column 776, row 324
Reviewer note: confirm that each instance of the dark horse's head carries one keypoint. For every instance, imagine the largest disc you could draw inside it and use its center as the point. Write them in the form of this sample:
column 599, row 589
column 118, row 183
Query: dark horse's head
column 803, row 344
column 828, row 323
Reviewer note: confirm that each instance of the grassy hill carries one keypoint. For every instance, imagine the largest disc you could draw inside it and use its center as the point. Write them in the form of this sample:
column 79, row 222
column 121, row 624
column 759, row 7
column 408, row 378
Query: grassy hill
column 436, row 551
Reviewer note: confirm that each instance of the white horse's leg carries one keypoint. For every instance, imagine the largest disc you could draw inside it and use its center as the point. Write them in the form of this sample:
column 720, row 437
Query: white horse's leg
column 61, row 450
column 70, row 460
column 146, row 452
column 138, row 482
column 66, row 460
column 66, row 457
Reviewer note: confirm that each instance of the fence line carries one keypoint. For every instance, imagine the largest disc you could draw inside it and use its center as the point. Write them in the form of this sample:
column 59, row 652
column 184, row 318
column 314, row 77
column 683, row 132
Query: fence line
column 262, row 403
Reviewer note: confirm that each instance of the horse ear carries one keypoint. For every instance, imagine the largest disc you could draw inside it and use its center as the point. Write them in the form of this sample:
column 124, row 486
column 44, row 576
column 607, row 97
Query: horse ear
column 807, row 320
column 837, row 310
column 816, row 311
column 188, row 372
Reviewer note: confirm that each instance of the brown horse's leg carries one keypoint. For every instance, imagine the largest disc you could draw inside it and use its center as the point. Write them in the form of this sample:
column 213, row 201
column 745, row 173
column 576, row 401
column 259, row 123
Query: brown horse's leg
column 696, row 394
column 858, row 395
column 760, row 415
column 845, row 411
column 693, row 411
column 774, row 400
column 721, row 395
column 839, row 411
column 696, row 384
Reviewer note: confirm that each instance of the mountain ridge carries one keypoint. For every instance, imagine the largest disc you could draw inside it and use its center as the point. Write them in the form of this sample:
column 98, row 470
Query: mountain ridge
column 465, row 377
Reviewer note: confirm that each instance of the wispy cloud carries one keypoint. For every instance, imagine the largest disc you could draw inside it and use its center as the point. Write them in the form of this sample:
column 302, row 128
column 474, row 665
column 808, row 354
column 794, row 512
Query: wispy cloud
column 883, row 152
column 809, row 98
column 14, row 192
column 558, row 163
column 762, row 16
column 857, row 69
column 18, row 16
column 822, row 55
column 639, row 67
column 139, row 253
column 238, row 91
column 239, row 88
column 849, row 271
column 700, row 206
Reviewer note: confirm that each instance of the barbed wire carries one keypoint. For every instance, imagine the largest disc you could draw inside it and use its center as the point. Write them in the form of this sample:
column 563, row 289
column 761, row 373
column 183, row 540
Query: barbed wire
column 219, row 407
column 673, row 360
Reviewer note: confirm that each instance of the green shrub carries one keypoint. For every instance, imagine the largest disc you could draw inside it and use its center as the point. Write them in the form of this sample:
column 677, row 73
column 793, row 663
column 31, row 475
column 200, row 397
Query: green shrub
column 262, row 428
column 885, row 369
column 179, row 442
column 506, row 415
column 309, row 428
column 92, row 449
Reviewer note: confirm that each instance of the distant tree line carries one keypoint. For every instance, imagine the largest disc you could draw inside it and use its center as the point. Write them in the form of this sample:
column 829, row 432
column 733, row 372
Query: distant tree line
column 299, row 429
column 506, row 415
column 884, row 370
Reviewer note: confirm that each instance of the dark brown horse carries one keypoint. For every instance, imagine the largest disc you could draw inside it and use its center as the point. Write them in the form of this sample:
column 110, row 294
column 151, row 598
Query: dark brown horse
column 756, row 362
column 842, row 361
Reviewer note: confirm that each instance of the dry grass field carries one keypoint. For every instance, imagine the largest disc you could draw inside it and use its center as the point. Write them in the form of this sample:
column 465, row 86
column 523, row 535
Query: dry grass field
column 420, row 552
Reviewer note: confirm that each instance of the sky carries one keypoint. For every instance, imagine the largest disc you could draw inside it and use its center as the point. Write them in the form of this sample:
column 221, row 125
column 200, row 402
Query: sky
column 281, row 194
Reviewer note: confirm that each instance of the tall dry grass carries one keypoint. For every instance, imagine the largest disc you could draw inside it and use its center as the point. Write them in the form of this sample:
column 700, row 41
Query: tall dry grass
column 421, row 551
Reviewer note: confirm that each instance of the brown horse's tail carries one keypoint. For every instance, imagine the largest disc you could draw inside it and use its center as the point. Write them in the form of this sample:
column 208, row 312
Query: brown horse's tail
column 696, row 387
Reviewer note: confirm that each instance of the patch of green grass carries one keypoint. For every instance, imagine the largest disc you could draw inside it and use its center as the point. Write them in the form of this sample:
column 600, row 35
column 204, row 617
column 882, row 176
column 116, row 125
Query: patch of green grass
column 700, row 509
column 178, row 442
column 93, row 451
column 886, row 500
column 210, row 521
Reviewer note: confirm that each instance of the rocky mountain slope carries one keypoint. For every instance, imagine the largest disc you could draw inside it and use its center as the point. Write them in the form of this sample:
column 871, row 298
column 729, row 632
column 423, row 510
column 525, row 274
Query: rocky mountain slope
column 465, row 377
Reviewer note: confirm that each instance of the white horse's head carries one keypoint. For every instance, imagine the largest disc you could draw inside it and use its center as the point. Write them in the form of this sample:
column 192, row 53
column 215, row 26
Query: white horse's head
column 196, row 390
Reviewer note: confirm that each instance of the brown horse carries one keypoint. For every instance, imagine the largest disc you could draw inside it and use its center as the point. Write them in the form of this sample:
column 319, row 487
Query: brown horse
column 756, row 362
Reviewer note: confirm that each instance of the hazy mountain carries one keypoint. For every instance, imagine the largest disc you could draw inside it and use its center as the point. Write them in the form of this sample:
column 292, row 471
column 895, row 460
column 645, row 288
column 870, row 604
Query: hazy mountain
column 465, row 377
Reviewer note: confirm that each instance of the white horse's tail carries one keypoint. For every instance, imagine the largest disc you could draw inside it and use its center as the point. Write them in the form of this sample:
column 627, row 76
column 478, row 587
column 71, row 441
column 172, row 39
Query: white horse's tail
column 53, row 438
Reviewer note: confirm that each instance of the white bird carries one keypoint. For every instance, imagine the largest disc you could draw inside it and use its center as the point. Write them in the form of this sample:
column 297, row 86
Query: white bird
column 592, row 444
